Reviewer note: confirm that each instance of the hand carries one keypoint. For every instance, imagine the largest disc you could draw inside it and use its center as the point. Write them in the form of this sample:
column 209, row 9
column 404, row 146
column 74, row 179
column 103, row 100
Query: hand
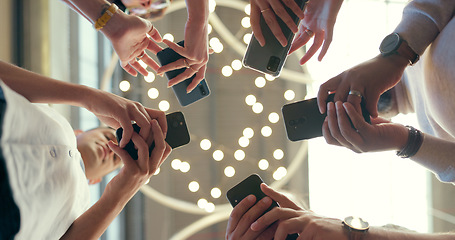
column 319, row 21
column 128, row 35
column 268, row 9
column 291, row 219
column 195, row 53
column 370, row 79
column 116, row 112
column 381, row 135
column 136, row 173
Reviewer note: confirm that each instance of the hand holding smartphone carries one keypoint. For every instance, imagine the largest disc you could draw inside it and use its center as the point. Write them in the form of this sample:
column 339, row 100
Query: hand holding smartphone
column 303, row 120
column 251, row 185
column 270, row 58
column 201, row 91
column 177, row 134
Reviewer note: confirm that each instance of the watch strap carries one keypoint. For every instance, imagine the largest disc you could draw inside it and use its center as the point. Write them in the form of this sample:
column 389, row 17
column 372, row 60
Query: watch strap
column 406, row 51
column 356, row 235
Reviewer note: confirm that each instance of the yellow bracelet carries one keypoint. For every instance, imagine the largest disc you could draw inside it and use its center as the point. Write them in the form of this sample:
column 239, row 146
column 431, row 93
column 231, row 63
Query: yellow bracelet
column 101, row 22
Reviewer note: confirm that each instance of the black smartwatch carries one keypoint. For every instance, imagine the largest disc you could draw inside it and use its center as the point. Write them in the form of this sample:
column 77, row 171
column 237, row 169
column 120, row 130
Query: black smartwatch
column 395, row 44
column 355, row 227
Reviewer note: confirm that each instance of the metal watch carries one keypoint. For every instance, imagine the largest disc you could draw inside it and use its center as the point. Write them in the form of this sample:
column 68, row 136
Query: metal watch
column 395, row 44
column 355, row 227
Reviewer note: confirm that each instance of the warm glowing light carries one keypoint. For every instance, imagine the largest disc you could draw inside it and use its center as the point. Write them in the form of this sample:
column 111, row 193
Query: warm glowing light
column 124, row 86
column 247, row 38
column 289, row 95
column 193, row 186
column 216, row 45
column 248, row 132
column 157, row 171
column 274, row 117
column 202, row 203
column 175, row 164
column 280, row 173
column 147, row 182
column 218, row 155
column 229, row 171
column 150, row 77
column 244, row 141
column 247, row 9
column 205, row 144
column 164, row 105
column 153, row 93
column 210, row 207
column 169, row 37
column 185, row 167
column 260, row 82
column 209, row 29
column 246, row 22
column 266, row 131
column 215, row 192
column 239, row 155
column 269, row 77
column 263, row 164
column 250, row 100
column 142, row 63
column 278, row 154
column 236, row 64
column 212, row 5
column 257, row 107
column 226, row 71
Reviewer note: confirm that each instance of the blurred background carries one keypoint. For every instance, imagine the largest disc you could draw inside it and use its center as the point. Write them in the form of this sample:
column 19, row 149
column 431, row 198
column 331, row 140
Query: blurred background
column 238, row 130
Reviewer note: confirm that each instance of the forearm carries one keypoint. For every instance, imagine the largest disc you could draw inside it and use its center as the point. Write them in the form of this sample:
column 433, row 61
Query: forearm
column 41, row 89
column 198, row 11
column 423, row 20
column 437, row 155
column 380, row 233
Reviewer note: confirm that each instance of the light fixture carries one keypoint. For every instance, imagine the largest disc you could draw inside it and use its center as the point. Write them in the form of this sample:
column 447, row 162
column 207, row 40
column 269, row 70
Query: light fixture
column 153, row 93
column 164, row 105
column 124, row 86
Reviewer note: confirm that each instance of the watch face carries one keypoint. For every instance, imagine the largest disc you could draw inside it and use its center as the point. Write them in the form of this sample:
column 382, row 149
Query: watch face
column 390, row 43
column 356, row 223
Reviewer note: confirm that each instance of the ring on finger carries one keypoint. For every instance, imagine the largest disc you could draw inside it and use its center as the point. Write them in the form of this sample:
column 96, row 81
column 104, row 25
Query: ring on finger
column 265, row 10
column 187, row 65
column 355, row 93
column 309, row 32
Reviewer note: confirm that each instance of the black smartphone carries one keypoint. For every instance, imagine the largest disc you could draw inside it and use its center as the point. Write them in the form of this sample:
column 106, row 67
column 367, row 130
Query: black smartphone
column 201, row 91
column 303, row 120
column 251, row 185
column 177, row 134
column 270, row 58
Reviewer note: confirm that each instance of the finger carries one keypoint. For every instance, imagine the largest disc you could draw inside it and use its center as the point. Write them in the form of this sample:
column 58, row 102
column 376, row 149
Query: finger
column 125, row 123
column 295, row 8
column 197, row 79
column 281, row 12
column 299, row 42
column 255, row 19
column 178, row 64
column 268, row 233
column 254, row 213
column 356, row 118
column 153, row 47
column 327, row 135
column 123, row 154
column 270, row 19
column 345, row 127
column 318, row 41
column 324, row 91
column 327, row 41
column 135, row 64
column 142, row 151
column 156, row 158
column 279, row 197
column 160, row 116
column 237, row 213
column 181, row 77
column 177, row 48
column 355, row 100
column 371, row 104
column 150, row 62
column 154, row 33
column 128, row 68
column 143, row 120
column 286, row 227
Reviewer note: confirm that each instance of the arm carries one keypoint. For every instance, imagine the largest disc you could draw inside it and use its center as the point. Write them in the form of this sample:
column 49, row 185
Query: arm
column 128, row 34
column 94, row 222
column 196, row 49
column 111, row 109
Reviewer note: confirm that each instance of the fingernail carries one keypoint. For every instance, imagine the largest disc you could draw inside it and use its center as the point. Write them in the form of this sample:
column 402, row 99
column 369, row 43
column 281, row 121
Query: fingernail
column 250, row 198
column 254, row 226
column 266, row 200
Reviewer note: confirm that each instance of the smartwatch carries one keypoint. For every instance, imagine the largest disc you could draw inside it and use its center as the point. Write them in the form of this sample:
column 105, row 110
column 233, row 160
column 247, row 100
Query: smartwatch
column 355, row 227
column 395, row 44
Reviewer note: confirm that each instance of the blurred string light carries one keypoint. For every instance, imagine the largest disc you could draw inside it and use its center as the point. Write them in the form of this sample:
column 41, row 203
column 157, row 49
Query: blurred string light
column 247, row 9
column 216, row 45
column 247, row 38
column 269, row 77
column 185, row 167
column 202, row 203
column 124, row 86
column 280, row 173
column 193, row 186
column 289, row 95
column 274, row 117
column 164, row 105
column 244, row 141
column 157, row 171
column 239, row 155
column 263, row 164
column 150, row 77
column 246, row 22
column 175, row 164
column 258, row 107
column 250, row 100
column 215, row 192
column 278, row 154
column 248, row 132
column 209, row 29
column 169, row 37
column 226, row 71
column 212, row 5
column 218, row 155
column 260, row 82
column 236, row 64
column 153, row 93
column 210, row 207
column 266, row 131
column 205, row 144
column 229, row 171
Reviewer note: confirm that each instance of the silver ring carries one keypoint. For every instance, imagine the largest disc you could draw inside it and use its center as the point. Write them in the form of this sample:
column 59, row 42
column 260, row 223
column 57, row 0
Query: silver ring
column 265, row 10
column 355, row 93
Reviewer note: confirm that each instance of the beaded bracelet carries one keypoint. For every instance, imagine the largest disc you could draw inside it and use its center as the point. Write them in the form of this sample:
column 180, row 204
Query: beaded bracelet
column 415, row 140
column 101, row 22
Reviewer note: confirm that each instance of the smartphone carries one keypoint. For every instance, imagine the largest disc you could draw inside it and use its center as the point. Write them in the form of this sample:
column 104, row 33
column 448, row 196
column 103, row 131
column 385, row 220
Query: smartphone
column 251, row 185
column 201, row 91
column 270, row 58
column 303, row 120
column 177, row 134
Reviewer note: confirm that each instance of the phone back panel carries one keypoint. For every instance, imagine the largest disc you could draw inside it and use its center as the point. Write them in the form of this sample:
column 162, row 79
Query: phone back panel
column 270, row 58
column 201, row 91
